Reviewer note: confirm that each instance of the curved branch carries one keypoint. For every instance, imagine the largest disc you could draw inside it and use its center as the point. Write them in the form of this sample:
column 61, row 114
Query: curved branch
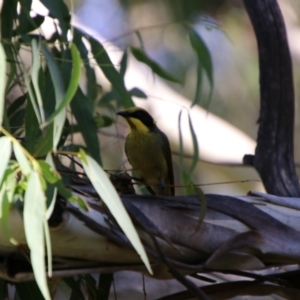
column 274, row 155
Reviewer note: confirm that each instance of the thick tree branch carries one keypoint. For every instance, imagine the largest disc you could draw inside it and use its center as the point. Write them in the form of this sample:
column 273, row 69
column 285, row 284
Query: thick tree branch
column 274, row 155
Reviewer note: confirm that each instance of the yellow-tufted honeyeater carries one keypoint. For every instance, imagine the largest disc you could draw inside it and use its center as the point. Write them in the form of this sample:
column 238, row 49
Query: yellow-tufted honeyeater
column 148, row 151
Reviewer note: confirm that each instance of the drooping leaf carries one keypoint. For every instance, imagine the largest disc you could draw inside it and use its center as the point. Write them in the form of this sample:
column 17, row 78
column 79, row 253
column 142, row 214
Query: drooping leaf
column 2, row 81
column 73, row 83
column 5, row 146
column 203, row 205
column 123, row 63
column 15, row 105
column 32, row 128
column 204, row 62
column 138, row 93
column 195, row 147
column 28, row 25
column 4, row 210
column 108, row 194
column 36, row 63
column 110, row 72
column 108, row 97
column 22, row 159
column 91, row 83
column 86, row 123
column 8, row 16
column 34, row 216
column 59, row 10
column 141, row 56
column 60, row 111
column 45, row 142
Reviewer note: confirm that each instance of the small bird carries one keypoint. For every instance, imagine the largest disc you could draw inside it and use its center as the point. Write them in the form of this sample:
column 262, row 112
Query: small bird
column 148, row 151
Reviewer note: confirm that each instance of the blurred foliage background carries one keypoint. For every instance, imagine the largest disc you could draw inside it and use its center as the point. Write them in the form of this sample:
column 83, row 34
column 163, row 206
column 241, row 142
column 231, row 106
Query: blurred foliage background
column 226, row 30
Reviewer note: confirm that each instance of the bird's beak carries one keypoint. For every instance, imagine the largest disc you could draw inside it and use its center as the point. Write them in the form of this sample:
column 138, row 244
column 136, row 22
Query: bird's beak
column 124, row 114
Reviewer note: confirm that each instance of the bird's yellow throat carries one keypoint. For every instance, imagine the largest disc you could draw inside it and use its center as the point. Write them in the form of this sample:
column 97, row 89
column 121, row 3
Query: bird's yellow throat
column 137, row 125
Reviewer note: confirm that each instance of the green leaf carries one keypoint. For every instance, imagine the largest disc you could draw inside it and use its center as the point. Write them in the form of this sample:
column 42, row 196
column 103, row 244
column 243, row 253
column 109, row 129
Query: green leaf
column 28, row 24
column 56, row 76
column 195, row 147
column 181, row 152
column 8, row 16
column 4, row 210
column 53, row 178
column 59, row 10
column 123, row 63
column 34, row 216
column 138, row 93
column 10, row 51
column 204, row 62
column 22, row 159
column 36, row 63
column 185, row 178
column 141, row 56
column 15, row 105
column 91, row 83
column 108, row 194
column 5, row 146
column 188, row 182
column 45, row 142
column 110, row 96
column 110, row 72
column 2, row 81
column 86, row 124
column 73, row 83
column 32, row 128
column 60, row 112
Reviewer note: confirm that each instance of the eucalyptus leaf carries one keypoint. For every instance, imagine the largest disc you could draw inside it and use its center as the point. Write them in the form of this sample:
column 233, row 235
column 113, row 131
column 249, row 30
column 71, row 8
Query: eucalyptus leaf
column 123, row 63
column 204, row 62
column 60, row 112
column 22, row 159
column 110, row 72
column 36, row 64
column 5, row 146
column 34, row 216
column 195, row 146
column 4, row 210
column 2, row 82
column 8, row 16
column 138, row 93
column 86, row 124
column 59, row 10
column 108, row 194
column 141, row 56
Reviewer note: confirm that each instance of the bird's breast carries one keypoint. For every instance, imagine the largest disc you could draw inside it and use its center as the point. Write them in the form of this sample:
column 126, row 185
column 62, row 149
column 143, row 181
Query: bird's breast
column 144, row 152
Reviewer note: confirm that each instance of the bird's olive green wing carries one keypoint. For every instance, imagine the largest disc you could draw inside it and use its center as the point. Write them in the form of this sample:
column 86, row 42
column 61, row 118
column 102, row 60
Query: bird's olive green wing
column 168, row 157
column 150, row 190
